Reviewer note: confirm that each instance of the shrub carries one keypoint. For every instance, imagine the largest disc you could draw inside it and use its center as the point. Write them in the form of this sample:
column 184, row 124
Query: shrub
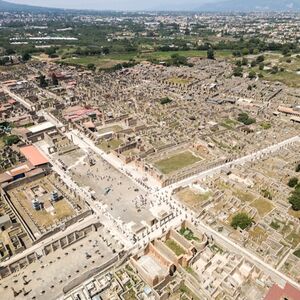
column 294, row 199
column 293, row 182
column 165, row 100
column 241, row 220
column 11, row 139
column 245, row 119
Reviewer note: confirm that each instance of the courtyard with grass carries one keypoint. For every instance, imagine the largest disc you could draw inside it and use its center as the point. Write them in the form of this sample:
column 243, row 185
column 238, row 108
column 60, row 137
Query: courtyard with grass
column 110, row 144
column 176, row 162
column 175, row 247
column 263, row 206
column 191, row 198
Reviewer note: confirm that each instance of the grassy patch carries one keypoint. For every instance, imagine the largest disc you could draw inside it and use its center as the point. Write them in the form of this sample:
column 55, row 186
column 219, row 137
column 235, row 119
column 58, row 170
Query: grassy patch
column 258, row 234
column 130, row 295
column 294, row 213
column 175, row 247
column 101, row 62
column 263, row 206
column 188, row 234
column 110, row 145
column 186, row 291
column 275, row 225
column 163, row 55
column 290, row 78
column 108, row 61
column 191, row 198
column 265, row 125
column 243, row 196
column 293, row 238
column 176, row 162
column 228, row 123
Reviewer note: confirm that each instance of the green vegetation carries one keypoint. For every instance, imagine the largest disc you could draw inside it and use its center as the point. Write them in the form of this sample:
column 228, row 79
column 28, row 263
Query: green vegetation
column 110, row 145
column 210, row 54
column 297, row 253
column 293, row 182
column 262, row 206
column 26, row 56
column 177, row 60
column 265, row 125
column 11, row 139
column 275, row 225
column 266, row 194
column 91, row 67
column 241, row 220
column 42, row 81
column 297, row 169
column 188, row 234
column 176, row 162
column 175, row 247
column 294, row 199
column 252, row 74
column 294, row 238
column 238, row 71
column 192, row 199
column 130, row 295
column 245, row 119
column 243, row 195
column 165, row 100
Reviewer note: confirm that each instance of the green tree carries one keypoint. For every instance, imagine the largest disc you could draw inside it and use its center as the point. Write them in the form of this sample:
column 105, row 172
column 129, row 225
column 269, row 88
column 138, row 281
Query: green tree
column 245, row 51
column 245, row 119
column 293, row 182
column 261, row 66
column 9, row 51
column 297, row 169
column 252, row 74
column 274, row 70
column 294, row 199
column 26, row 56
column 11, row 139
column 241, row 220
column 237, row 72
column 50, row 51
column 260, row 59
column 210, row 53
column 165, row 100
column 105, row 50
column 91, row 67
column 238, row 63
column 253, row 63
column 42, row 81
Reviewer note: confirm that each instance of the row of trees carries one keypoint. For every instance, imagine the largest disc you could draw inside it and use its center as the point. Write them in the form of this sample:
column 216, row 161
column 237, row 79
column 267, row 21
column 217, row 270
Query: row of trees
column 43, row 83
column 294, row 198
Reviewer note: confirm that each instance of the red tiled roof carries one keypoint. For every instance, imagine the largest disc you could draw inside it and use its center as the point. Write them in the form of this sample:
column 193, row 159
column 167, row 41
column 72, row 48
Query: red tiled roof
column 288, row 292
column 34, row 156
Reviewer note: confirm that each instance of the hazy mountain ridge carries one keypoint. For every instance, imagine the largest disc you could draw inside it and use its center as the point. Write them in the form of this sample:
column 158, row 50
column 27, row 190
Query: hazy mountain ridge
column 221, row 6
column 8, row 6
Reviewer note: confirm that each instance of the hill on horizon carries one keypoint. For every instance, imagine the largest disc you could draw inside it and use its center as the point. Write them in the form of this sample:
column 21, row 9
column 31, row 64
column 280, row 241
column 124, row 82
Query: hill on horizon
column 11, row 7
column 219, row 6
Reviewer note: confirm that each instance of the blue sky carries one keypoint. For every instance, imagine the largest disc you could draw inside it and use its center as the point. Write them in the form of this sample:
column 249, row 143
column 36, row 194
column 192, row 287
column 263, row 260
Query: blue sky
column 116, row 4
